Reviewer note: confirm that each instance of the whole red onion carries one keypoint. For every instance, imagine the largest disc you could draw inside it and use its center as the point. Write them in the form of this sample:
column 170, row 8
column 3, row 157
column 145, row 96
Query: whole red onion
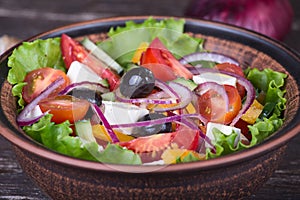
column 269, row 17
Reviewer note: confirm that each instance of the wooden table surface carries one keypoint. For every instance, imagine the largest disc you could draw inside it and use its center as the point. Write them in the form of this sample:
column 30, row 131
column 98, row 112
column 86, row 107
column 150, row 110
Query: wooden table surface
column 26, row 18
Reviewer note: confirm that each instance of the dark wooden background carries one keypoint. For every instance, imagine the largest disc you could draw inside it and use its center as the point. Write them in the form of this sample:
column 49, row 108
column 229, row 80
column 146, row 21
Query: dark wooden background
column 26, row 18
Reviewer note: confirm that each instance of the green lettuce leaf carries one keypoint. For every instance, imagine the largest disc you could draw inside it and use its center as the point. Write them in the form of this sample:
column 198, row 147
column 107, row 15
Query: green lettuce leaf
column 188, row 158
column 123, row 41
column 271, row 82
column 224, row 144
column 262, row 79
column 33, row 55
column 30, row 56
column 115, row 154
column 57, row 137
column 17, row 91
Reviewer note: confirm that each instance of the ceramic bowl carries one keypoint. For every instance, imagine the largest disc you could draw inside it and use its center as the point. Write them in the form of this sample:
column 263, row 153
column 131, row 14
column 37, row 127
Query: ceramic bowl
column 234, row 176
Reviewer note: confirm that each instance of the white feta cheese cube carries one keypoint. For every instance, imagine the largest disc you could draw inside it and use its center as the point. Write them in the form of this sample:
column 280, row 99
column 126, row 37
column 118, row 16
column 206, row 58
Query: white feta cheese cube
column 35, row 112
column 123, row 113
column 227, row 130
column 79, row 72
column 219, row 78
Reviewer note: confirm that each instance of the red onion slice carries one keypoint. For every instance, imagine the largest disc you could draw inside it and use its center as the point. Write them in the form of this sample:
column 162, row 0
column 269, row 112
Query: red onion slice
column 159, row 95
column 123, row 99
column 207, row 56
column 204, row 87
column 200, row 70
column 156, row 121
column 250, row 94
column 85, row 84
column 243, row 82
column 27, row 121
column 184, row 93
column 22, row 118
column 106, row 124
column 167, row 89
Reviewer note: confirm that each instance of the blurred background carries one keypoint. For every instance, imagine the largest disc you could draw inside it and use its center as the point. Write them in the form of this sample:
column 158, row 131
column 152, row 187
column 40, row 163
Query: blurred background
column 20, row 20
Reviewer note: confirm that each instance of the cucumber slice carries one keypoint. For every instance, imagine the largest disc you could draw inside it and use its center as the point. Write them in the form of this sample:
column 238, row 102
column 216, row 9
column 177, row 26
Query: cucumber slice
column 102, row 55
column 186, row 82
column 110, row 96
column 84, row 131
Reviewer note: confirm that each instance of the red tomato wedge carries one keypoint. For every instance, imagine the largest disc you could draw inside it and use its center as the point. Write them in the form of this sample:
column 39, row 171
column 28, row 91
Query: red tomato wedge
column 64, row 108
column 159, row 59
column 229, row 67
column 73, row 51
column 149, row 143
column 183, row 138
column 212, row 106
column 186, row 138
column 38, row 80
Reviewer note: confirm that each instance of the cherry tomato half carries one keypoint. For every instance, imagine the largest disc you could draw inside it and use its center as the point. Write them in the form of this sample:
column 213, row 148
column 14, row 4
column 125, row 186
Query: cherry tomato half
column 162, row 63
column 64, row 108
column 73, row 51
column 212, row 106
column 39, row 79
column 229, row 67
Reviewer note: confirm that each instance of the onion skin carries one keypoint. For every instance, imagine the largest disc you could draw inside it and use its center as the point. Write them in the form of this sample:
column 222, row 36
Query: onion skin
column 269, row 17
column 204, row 87
column 85, row 84
column 250, row 95
column 106, row 124
column 184, row 93
column 207, row 56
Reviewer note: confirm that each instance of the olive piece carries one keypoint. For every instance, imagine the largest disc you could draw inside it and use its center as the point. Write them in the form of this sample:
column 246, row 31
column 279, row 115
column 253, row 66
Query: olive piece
column 138, row 82
column 92, row 96
column 151, row 129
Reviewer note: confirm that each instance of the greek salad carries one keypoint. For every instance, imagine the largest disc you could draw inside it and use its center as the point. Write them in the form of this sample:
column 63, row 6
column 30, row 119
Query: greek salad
column 148, row 93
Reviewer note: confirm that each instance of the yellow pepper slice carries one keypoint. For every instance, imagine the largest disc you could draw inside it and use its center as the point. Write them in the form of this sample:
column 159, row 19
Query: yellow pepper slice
column 100, row 133
column 170, row 156
column 253, row 112
column 138, row 53
column 190, row 108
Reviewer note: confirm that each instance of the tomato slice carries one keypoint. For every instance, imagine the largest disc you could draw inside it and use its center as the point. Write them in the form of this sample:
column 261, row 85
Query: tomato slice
column 186, row 138
column 156, row 56
column 154, row 145
column 64, row 108
column 73, row 51
column 212, row 106
column 38, row 80
column 229, row 67
column 149, row 143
